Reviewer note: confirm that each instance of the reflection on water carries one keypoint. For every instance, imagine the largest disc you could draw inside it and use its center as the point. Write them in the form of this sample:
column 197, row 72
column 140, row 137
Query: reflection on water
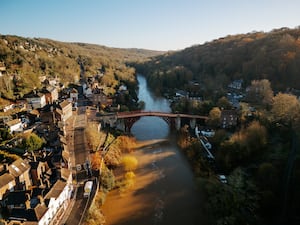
column 148, row 128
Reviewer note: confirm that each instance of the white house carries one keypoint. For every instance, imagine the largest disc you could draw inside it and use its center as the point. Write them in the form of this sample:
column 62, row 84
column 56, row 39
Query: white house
column 14, row 125
column 36, row 101
column 57, row 199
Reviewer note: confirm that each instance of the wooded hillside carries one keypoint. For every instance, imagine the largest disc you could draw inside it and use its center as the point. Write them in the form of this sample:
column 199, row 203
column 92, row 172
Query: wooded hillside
column 274, row 56
column 27, row 59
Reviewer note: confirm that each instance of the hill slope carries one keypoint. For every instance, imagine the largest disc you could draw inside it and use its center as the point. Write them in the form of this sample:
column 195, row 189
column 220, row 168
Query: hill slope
column 258, row 55
column 28, row 59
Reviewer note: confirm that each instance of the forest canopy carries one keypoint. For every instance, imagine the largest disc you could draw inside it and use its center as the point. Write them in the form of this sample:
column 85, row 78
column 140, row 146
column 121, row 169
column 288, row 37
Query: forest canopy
column 273, row 56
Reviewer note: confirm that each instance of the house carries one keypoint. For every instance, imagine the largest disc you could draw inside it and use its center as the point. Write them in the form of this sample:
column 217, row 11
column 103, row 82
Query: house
column 229, row 118
column 57, row 199
column 181, row 94
column 7, row 183
column 29, row 216
column 64, row 110
column 99, row 98
column 35, row 100
column 74, row 95
column 236, row 84
column 37, row 171
column 87, row 91
column 51, row 94
column 16, row 199
column 14, row 125
column 20, row 170
column 8, row 107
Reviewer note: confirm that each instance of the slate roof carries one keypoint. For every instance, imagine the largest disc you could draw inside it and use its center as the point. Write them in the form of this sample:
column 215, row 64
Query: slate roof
column 13, row 122
column 64, row 104
column 30, row 215
column 56, row 189
column 18, row 167
column 5, row 179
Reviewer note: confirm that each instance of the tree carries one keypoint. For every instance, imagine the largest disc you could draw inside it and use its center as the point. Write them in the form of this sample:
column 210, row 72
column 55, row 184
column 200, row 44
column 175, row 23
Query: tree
column 107, row 179
column 33, row 142
column 267, row 177
column 129, row 162
column 235, row 203
column 260, row 91
column 96, row 160
column 214, row 117
column 285, row 108
column 93, row 135
column 255, row 137
column 223, row 103
column 4, row 134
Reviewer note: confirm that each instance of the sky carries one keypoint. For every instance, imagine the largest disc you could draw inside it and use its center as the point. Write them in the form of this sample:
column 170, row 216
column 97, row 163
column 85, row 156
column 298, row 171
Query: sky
column 148, row 24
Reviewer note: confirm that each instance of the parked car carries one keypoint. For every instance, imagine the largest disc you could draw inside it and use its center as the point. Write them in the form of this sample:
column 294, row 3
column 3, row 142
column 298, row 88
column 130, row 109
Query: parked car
column 222, row 178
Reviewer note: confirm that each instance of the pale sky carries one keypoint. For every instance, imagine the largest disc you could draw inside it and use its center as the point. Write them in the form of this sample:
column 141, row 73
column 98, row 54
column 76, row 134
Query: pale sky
column 148, row 24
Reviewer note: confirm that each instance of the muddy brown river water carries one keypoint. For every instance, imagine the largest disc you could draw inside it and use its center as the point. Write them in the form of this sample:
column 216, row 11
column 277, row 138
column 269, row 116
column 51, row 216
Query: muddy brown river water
column 164, row 192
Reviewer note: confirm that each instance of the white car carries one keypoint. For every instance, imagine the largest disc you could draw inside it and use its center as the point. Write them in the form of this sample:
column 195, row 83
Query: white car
column 223, row 179
column 207, row 133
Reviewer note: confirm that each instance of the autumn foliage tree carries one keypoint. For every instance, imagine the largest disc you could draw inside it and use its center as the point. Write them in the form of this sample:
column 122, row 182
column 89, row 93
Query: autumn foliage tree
column 285, row 108
column 214, row 117
column 130, row 163
column 243, row 146
column 260, row 92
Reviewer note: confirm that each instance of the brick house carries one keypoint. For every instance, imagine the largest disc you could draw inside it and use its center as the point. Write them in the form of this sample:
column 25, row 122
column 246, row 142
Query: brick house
column 51, row 94
column 229, row 118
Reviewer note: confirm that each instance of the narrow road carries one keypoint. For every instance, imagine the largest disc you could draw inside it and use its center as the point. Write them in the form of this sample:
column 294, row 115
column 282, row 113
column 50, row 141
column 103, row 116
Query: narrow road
column 80, row 155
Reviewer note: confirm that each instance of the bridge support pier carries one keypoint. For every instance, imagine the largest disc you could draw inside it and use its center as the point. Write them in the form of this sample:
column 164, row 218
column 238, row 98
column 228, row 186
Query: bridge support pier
column 193, row 123
column 121, row 125
column 178, row 123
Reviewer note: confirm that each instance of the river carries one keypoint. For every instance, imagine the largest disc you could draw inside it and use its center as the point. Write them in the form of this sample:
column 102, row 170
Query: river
column 164, row 192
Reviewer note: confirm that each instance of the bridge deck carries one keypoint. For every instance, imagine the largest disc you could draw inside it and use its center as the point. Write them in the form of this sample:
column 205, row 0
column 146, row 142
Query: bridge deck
column 122, row 115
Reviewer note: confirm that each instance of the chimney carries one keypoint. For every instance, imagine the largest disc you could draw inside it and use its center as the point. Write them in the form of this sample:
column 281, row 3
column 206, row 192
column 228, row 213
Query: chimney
column 27, row 204
column 5, row 167
column 47, row 183
column 41, row 199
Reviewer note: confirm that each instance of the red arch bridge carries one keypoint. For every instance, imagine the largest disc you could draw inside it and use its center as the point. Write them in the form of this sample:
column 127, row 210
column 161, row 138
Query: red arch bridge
column 125, row 120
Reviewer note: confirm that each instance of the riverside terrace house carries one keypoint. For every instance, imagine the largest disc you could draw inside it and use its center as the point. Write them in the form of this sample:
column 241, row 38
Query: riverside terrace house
column 14, row 177
column 44, row 209
column 229, row 118
column 38, row 204
column 20, row 169
column 64, row 111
